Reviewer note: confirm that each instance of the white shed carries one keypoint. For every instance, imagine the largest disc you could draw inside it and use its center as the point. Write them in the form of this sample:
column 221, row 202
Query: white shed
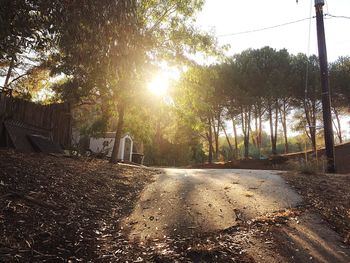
column 105, row 145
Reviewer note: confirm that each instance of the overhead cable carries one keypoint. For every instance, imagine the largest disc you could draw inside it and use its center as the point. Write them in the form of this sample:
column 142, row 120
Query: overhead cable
column 279, row 25
column 346, row 17
column 265, row 28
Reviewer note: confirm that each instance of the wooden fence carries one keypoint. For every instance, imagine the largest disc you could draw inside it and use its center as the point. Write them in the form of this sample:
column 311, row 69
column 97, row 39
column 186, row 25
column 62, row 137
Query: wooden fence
column 342, row 156
column 55, row 118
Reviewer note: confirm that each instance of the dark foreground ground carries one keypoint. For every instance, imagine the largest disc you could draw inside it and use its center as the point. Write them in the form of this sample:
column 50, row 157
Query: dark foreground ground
column 57, row 209
column 328, row 195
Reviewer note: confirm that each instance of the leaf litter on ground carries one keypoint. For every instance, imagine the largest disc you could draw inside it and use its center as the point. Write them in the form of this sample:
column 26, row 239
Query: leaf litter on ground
column 58, row 209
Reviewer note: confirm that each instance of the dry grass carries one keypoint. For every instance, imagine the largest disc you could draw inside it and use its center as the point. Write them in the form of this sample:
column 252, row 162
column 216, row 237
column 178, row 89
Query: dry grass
column 310, row 166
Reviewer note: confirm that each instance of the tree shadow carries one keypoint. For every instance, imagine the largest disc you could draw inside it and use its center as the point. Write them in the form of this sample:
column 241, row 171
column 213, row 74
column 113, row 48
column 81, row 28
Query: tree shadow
column 312, row 239
column 186, row 202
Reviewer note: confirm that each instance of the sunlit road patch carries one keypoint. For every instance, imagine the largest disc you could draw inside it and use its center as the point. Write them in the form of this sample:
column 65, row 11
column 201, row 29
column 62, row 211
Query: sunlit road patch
column 189, row 201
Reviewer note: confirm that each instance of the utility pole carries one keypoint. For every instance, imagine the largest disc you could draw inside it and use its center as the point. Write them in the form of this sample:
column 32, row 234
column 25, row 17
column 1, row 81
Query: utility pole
column 326, row 99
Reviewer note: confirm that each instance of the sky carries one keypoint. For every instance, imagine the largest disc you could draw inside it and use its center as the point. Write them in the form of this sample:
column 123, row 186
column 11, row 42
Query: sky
column 223, row 17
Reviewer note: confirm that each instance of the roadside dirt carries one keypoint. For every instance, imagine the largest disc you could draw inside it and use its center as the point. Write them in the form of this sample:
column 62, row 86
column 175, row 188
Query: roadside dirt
column 253, row 211
column 57, row 209
column 326, row 194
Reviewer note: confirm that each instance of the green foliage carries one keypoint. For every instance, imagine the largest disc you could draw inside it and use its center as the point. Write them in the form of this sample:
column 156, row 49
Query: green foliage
column 28, row 87
column 106, row 51
column 23, row 25
column 25, row 39
column 178, row 148
column 340, row 81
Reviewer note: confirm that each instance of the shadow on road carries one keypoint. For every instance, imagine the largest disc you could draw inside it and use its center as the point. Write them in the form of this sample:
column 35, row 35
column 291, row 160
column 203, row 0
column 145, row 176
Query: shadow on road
column 183, row 202
column 188, row 204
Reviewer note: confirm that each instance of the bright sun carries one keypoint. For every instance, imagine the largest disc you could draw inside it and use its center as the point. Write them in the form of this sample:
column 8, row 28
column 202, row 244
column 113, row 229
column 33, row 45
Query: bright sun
column 159, row 86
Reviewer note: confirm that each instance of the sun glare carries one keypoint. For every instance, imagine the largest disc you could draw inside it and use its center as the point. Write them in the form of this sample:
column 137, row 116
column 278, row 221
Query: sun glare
column 159, row 86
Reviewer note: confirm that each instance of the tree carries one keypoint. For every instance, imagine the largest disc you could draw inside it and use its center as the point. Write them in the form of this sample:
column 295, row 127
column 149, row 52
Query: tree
column 34, row 85
column 282, row 82
column 194, row 100
column 24, row 29
column 307, row 94
column 228, row 76
column 269, row 71
column 238, row 92
column 339, row 72
column 105, row 47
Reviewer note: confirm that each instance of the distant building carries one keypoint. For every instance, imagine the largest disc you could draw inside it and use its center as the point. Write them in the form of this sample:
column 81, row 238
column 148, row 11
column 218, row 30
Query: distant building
column 105, row 145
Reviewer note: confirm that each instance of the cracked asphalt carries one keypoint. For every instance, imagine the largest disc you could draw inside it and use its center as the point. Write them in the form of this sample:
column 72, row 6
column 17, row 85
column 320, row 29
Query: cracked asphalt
column 181, row 203
column 184, row 201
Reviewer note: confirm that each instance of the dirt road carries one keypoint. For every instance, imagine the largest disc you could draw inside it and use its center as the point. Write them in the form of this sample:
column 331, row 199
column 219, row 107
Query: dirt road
column 185, row 202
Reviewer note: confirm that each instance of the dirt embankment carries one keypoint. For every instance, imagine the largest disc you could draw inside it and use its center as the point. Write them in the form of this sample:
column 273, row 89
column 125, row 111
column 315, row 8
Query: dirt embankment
column 328, row 195
column 56, row 209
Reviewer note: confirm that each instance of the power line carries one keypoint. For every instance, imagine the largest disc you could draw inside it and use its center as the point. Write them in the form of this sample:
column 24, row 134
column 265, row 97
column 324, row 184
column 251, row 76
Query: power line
column 346, row 17
column 265, row 28
column 279, row 25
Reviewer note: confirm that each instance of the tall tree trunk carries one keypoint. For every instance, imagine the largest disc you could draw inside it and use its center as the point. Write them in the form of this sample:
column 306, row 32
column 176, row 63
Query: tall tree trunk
column 313, row 138
column 313, row 127
column 260, row 131
column 311, row 122
column 276, row 127
column 228, row 141
column 252, row 135
column 210, row 142
column 283, row 114
column 256, row 133
column 118, row 134
column 285, row 133
column 272, row 137
column 216, row 136
column 235, row 135
column 246, row 140
column 245, row 115
column 256, row 119
column 9, row 72
column 243, row 128
column 338, row 125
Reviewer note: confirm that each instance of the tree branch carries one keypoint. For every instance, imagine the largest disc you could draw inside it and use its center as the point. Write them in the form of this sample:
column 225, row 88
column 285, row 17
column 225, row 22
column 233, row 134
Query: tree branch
column 17, row 78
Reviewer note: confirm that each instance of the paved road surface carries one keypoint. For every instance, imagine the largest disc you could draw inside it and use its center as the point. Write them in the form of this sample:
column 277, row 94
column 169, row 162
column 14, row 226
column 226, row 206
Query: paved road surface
column 198, row 200
column 189, row 201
